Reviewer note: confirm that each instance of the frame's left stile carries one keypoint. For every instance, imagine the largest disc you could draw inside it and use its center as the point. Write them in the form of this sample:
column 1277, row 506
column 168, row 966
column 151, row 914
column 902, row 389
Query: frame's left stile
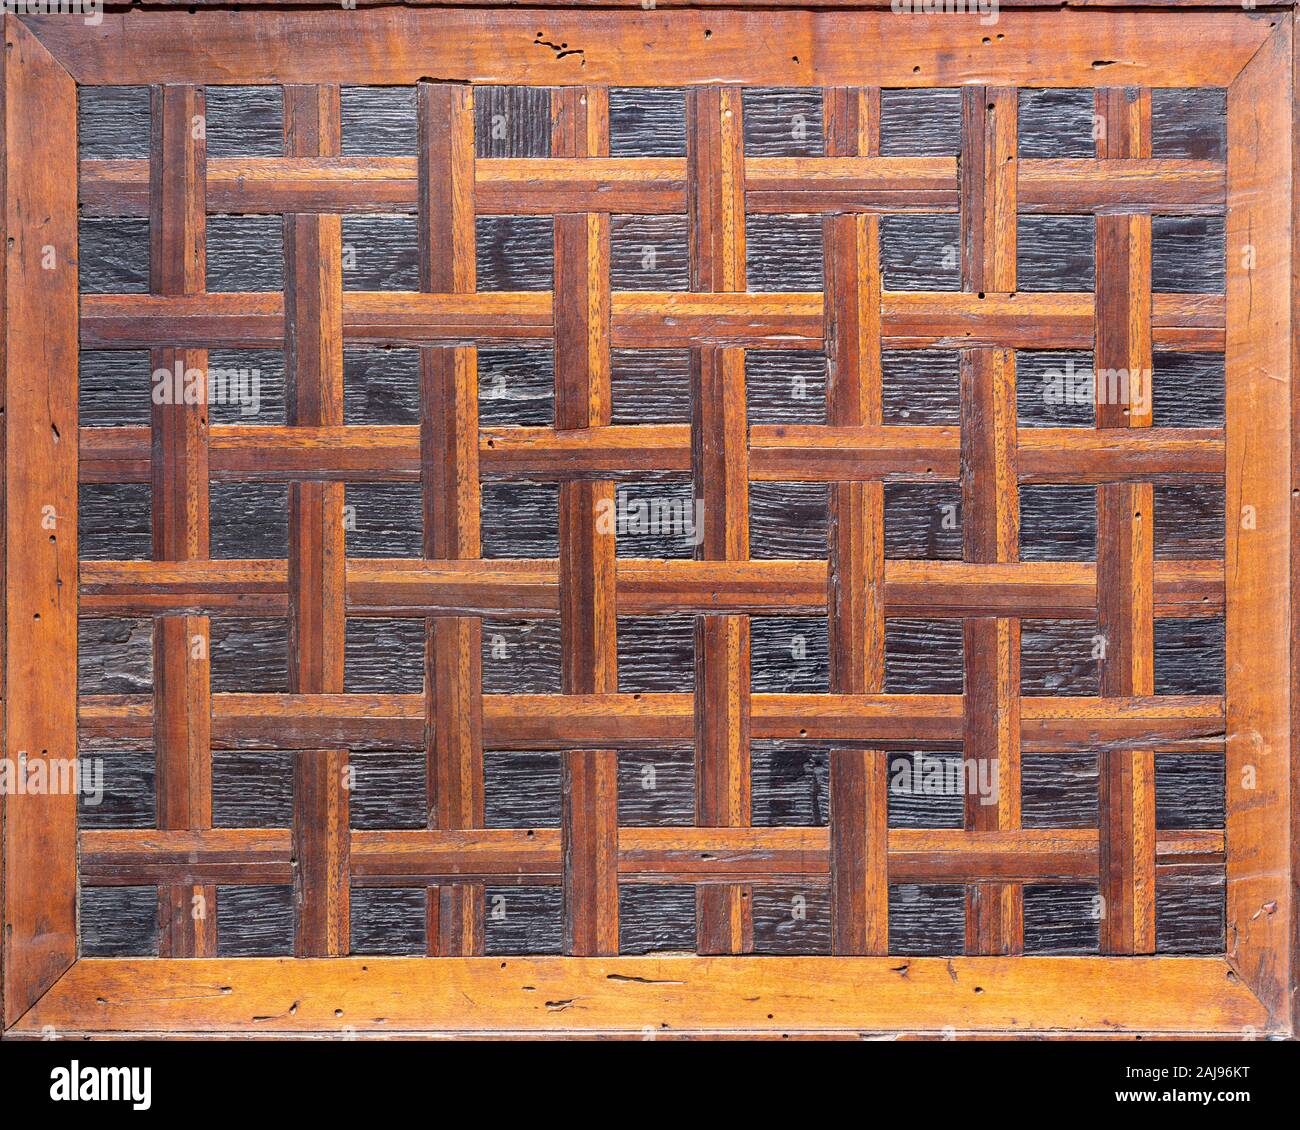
column 39, row 516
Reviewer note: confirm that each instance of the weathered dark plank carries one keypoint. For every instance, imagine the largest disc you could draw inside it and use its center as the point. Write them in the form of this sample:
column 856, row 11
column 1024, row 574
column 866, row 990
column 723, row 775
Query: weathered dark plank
column 245, row 253
column 649, row 253
column 378, row 121
column 785, row 386
column 792, row 920
column 1187, row 254
column 112, row 122
column 647, row 121
column 387, row 921
column 923, row 656
column 521, row 656
column 783, row 123
column 1055, row 253
column 783, row 253
column 252, row 789
column 1058, row 523
column 388, row 792
column 1190, row 909
column 1056, row 123
column 789, row 655
column 512, row 121
column 1189, row 123
column 249, row 656
column 656, row 919
column 523, row 920
column 788, row 521
column 1190, row 656
column 656, row 787
column 1058, row 790
column 656, row 653
column 248, row 521
column 923, row 520
column 1054, row 389
column 114, row 656
column 514, row 252
column 1187, row 390
column 1059, row 657
column 927, row 920
column 244, row 121
column 113, row 255
column 521, row 789
column 651, row 386
column 791, row 785
column 381, row 253
column 920, row 386
column 118, row 922
column 920, row 123
column 1061, row 919
column 254, row 921
column 520, row 519
column 384, row 519
column 124, row 795
column 921, row 252
column 516, row 386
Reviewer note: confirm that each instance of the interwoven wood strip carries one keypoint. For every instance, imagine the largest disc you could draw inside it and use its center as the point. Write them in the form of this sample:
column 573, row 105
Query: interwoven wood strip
column 452, row 586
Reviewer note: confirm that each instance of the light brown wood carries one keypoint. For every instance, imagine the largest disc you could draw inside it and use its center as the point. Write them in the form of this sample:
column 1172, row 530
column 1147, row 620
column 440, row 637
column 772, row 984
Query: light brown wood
column 794, row 48
column 640, row 995
column 1258, row 537
column 38, row 285
column 855, row 858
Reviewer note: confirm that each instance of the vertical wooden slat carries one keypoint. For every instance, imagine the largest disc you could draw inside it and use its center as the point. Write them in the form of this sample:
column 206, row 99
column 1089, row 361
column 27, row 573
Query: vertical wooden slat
column 314, row 398
column 1260, row 765
column 182, row 688
column 1125, row 549
column 588, row 624
column 720, row 461
column 859, row 813
column 38, row 497
column 990, row 505
column 449, row 454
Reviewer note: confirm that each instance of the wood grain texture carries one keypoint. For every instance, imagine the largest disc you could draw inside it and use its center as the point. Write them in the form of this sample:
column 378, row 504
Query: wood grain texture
column 314, row 372
column 775, row 49
column 480, row 725
column 1125, row 544
column 588, row 622
column 724, row 995
column 991, row 647
column 180, row 522
column 1260, row 901
column 39, row 504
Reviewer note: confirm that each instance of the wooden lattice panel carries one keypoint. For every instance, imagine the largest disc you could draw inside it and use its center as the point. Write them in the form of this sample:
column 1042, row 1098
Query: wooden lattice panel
column 671, row 456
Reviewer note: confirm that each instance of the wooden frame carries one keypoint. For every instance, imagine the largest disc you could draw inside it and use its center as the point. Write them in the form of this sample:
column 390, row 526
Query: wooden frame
column 46, row 984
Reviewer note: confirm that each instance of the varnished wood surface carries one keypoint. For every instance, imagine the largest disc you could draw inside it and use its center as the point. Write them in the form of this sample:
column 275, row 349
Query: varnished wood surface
column 791, row 48
column 568, row 995
column 39, row 536
column 507, row 824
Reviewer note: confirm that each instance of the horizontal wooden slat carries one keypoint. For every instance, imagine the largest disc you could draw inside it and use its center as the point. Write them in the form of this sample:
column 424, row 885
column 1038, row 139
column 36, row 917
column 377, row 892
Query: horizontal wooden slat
column 794, row 48
column 633, row 995
column 643, row 319
column 1079, row 185
column 410, row 587
column 657, row 185
column 396, row 721
column 645, row 855
column 778, row 453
